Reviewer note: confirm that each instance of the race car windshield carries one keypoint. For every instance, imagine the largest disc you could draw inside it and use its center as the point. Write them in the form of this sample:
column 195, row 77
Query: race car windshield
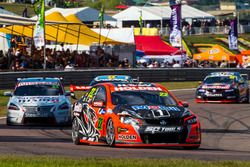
column 219, row 79
column 142, row 98
column 38, row 90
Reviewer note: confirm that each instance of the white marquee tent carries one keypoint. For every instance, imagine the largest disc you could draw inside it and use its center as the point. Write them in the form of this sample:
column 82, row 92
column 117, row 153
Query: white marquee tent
column 158, row 13
column 85, row 14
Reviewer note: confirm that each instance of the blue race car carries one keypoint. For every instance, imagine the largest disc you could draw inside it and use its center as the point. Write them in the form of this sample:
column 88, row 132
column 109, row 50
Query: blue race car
column 102, row 79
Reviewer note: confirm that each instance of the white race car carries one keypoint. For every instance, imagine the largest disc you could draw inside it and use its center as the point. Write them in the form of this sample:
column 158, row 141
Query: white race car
column 39, row 101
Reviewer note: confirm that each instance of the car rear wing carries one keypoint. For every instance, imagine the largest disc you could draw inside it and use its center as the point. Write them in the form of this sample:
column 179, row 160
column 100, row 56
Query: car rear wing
column 245, row 76
column 73, row 88
column 136, row 79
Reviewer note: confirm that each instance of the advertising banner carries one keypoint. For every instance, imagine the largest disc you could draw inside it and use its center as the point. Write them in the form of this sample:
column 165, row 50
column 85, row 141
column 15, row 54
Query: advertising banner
column 233, row 35
column 175, row 26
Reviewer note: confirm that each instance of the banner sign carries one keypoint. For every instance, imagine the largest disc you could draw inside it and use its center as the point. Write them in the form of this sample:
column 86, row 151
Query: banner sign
column 175, row 26
column 233, row 35
column 174, row 2
column 40, row 24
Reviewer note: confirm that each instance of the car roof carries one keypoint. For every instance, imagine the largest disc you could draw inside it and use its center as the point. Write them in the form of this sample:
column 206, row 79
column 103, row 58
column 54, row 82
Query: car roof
column 119, row 86
column 37, row 79
column 112, row 77
column 225, row 73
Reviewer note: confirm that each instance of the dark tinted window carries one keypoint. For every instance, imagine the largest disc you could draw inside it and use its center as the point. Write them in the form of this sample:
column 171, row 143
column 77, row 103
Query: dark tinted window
column 39, row 90
column 101, row 95
column 142, row 98
column 220, row 79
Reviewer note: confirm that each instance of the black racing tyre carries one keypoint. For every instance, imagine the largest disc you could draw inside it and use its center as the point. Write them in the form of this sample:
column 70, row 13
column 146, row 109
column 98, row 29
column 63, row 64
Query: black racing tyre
column 110, row 133
column 75, row 132
column 191, row 148
column 8, row 122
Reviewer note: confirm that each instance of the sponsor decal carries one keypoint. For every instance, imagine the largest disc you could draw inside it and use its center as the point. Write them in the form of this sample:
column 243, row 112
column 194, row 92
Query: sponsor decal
column 82, row 87
column 38, row 99
column 215, row 86
column 127, row 137
column 100, row 123
column 102, row 111
column 112, row 78
column 36, row 83
column 162, row 129
column 137, row 88
column 135, row 85
column 163, row 94
column 162, row 122
column 213, row 95
column 92, row 93
column 110, row 111
column 88, row 122
column 166, row 108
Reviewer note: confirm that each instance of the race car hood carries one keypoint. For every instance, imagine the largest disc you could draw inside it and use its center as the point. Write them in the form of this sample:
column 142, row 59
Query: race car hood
column 37, row 100
column 216, row 86
column 151, row 112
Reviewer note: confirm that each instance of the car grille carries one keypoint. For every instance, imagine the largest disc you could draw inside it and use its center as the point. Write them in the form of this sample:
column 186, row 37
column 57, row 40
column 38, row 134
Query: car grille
column 167, row 122
column 38, row 108
column 216, row 90
column 164, row 138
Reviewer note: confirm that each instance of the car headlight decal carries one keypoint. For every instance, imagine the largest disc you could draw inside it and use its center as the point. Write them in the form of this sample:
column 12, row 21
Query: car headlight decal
column 126, row 118
column 13, row 107
column 202, row 90
column 192, row 120
column 186, row 113
column 229, row 90
column 64, row 106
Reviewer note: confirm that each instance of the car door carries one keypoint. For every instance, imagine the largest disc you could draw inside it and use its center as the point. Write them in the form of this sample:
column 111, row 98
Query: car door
column 242, row 87
column 99, row 104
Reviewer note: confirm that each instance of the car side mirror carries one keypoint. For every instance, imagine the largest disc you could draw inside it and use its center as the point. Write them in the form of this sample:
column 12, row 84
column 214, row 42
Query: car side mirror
column 99, row 104
column 67, row 93
column 9, row 94
column 184, row 104
column 72, row 95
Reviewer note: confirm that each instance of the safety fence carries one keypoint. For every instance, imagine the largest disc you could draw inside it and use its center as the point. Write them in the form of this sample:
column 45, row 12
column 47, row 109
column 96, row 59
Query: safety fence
column 83, row 77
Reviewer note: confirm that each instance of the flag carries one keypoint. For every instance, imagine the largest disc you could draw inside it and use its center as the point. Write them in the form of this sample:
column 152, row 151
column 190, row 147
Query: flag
column 38, row 36
column 233, row 35
column 175, row 26
column 101, row 17
column 140, row 23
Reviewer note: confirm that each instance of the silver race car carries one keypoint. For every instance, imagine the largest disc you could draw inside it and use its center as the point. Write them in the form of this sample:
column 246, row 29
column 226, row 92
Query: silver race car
column 38, row 101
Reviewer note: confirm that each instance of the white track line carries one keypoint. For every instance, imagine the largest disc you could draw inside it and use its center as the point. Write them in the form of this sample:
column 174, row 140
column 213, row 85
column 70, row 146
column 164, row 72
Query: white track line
column 2, row 118
column 178, row 90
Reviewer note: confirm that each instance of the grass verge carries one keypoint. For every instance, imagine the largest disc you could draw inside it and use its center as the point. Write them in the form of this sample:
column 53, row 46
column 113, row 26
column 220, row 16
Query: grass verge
column 31, row 161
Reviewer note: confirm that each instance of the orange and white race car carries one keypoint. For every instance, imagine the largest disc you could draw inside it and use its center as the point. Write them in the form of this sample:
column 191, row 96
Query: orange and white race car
column 134, row 114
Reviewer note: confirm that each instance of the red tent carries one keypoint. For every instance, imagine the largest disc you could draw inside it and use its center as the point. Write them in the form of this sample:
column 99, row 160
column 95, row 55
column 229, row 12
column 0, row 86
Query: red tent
column 153, row 45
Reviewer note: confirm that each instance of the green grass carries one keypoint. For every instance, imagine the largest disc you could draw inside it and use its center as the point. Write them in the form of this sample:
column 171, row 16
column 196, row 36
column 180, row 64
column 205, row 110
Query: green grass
column 3, row 103
column 18, row 8
column 180, row 85
column 35, row 161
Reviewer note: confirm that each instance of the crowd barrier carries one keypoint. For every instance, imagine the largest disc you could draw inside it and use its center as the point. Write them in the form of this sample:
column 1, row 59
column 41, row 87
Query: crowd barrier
column 83, row 77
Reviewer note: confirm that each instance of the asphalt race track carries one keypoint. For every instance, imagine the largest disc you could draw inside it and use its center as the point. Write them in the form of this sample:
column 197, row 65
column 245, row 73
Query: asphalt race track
column 226, row 136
